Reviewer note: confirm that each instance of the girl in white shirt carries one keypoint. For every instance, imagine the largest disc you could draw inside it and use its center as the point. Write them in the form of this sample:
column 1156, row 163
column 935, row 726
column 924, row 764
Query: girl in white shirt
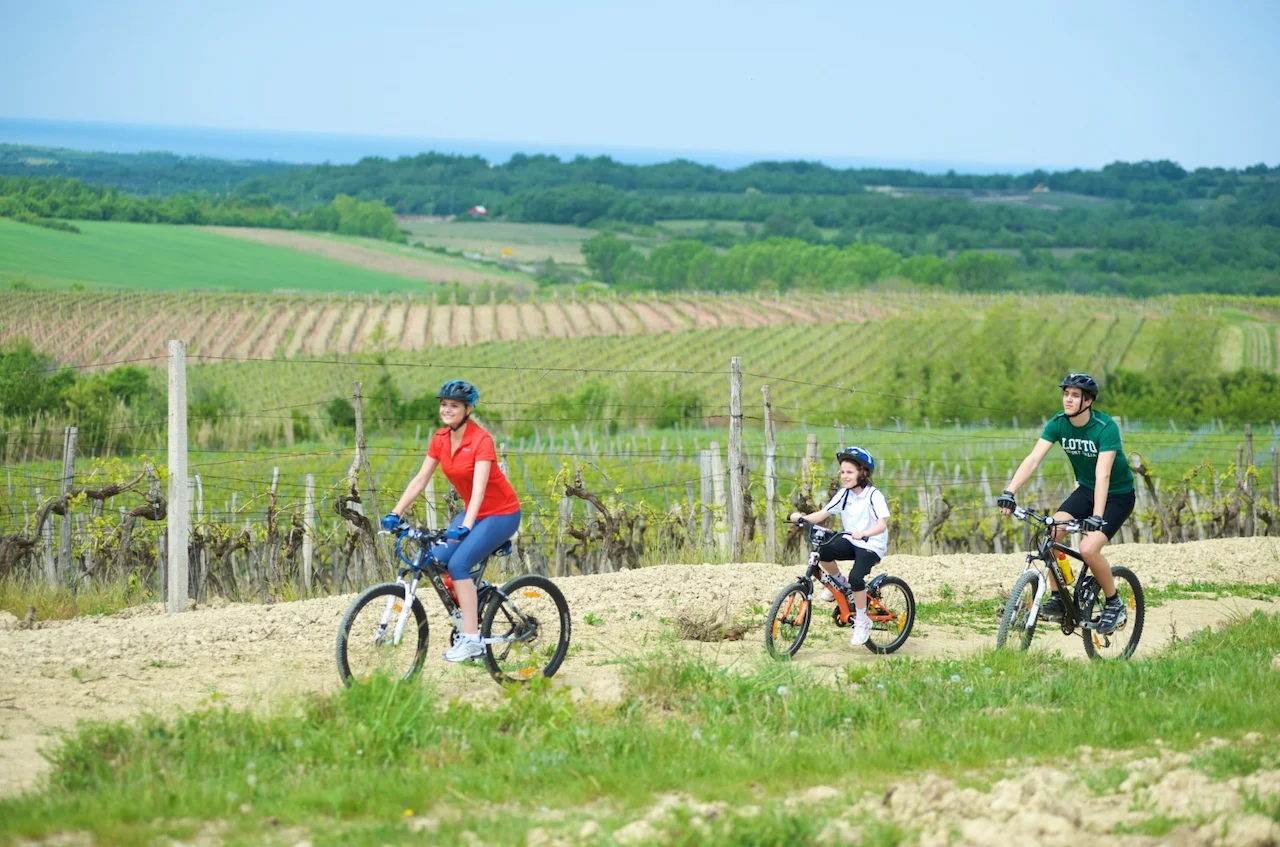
column 864, row 517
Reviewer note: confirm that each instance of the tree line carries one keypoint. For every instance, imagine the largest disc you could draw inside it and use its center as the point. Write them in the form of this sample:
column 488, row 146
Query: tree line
column 1160, row 182
column 1227, row 262
column 49, row 201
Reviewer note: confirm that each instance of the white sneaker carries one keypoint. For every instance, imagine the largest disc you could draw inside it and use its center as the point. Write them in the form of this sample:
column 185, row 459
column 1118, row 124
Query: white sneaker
column 465, row 648
column 826, row 596
column 861, row 632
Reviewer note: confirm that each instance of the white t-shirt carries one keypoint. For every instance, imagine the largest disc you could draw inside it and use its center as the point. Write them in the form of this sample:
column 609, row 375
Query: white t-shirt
column 858, row 513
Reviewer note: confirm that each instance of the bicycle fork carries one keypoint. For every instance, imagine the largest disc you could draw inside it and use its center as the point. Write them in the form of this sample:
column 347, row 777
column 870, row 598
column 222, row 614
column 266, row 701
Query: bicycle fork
column 1034, row 614
column 405, row 608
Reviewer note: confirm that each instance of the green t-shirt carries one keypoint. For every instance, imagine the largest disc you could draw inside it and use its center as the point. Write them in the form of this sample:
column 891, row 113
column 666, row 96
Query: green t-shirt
column 1082, row 445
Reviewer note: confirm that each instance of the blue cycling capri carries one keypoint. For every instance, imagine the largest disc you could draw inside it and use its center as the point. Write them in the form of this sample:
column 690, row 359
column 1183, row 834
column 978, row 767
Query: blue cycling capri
column 485, row 537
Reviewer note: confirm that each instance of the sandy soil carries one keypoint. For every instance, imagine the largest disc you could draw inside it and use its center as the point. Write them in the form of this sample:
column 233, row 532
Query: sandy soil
column 626, row 319
column 269, row 342
column 651, row 318
column 1034, row 806
column 439, row 334
column 415, row 329
column 602, row 317
column 301, row 330
column 508, row 321
column 353, row 254
column 394, row 321
column 484, row 317
column 118, row 666
column 374, row 314
column 557, row 322
column 351, row 319
column 533, row 324
column 318, row 342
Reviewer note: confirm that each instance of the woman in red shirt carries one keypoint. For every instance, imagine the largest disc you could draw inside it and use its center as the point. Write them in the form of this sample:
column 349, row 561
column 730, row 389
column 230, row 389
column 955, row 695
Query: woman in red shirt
column 466, row 454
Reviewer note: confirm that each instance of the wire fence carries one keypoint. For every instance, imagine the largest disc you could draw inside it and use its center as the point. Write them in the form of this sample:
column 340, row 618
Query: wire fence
column 268, row 520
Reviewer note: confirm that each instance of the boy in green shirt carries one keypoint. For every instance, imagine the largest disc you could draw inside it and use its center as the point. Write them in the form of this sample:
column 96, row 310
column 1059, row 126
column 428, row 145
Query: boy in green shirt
column 1104, row 499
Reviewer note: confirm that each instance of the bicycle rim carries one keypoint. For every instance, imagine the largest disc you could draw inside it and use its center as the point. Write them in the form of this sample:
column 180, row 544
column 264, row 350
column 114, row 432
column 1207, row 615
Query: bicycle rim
column 532, row 624
column 367, row 648
column 1121, row 643
column 787, row 623
column 893, row 614
column 1017, row 610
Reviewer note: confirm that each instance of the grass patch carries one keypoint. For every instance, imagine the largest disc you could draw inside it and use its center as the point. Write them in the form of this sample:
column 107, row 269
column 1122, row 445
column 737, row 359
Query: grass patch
column 1156, row 826
column 19, row 594
column 354, row 766
column 1226, row 762
column 160, row 257
column 1198, row 590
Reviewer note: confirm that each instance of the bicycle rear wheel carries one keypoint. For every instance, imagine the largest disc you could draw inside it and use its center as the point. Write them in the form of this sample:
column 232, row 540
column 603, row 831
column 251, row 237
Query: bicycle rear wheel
column 366, row 637
column 893, row 614
column 1121, row 643
column 529, row 620
column 1014, row 622
column 787, row 623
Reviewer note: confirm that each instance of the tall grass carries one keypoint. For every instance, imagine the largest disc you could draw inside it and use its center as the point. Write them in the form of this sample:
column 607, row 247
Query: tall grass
column 352, row 766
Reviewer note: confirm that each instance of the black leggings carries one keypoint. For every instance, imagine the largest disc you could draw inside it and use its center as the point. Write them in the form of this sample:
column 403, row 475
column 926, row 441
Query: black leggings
column 841, row 549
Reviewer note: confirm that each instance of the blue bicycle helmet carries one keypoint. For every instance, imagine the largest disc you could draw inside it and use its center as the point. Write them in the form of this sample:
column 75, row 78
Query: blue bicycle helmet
column 460, row 390
column 858, row 456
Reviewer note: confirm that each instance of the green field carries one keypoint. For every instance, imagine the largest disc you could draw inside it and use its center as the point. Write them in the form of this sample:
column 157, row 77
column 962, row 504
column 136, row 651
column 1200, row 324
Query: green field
column 156, row 257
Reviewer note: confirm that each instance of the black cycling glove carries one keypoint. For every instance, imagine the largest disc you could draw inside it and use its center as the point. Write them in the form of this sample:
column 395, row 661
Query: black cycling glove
column 1093, row 523
column 1006, row 500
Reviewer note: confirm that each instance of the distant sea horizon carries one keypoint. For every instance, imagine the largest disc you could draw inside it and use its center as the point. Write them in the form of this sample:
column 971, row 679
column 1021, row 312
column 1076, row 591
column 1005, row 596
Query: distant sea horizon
column 305, row 148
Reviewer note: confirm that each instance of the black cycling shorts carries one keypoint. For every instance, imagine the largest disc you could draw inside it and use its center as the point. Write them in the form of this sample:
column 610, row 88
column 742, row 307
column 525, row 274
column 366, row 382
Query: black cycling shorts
column 1119, row 506
column 841, row 549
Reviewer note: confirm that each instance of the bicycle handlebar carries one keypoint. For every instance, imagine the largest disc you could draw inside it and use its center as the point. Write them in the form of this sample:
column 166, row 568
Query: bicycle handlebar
column 407, row 531
column 1048, row 521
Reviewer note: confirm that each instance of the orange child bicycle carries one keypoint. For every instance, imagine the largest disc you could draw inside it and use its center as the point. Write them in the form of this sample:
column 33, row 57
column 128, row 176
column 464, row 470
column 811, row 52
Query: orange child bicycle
column 890, row 605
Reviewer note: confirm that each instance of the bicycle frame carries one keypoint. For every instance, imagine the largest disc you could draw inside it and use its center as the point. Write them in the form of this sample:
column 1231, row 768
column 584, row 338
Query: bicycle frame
column 1046, row 548
column 438, row 575
column 844, row 612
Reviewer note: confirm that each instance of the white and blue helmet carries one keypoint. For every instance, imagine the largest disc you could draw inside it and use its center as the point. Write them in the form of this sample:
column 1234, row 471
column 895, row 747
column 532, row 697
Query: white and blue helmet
column 857, row 455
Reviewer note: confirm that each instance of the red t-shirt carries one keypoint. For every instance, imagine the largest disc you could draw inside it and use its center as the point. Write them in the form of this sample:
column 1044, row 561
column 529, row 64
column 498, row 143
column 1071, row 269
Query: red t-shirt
column 460, row 467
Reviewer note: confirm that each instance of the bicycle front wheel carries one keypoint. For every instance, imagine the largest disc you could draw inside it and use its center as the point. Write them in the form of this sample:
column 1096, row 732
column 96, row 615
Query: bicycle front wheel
column 787, row 623
column 1121, row 643
column 893, row 614
column 367, row 643
column 526, row 630
column 1017, row 612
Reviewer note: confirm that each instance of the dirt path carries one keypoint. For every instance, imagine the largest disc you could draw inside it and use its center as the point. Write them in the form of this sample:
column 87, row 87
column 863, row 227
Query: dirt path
column 252, row 655
column 353, row 254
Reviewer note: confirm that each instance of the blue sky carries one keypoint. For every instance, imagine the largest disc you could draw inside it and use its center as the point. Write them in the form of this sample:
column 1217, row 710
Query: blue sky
column 1060, row 84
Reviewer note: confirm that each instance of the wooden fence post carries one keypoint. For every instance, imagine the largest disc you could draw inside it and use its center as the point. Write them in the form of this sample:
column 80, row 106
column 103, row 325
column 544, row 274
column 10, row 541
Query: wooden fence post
column 704, row 493
column 562, row 530
column 717, row 488
column 68, row 478
column 308, row 532
column 735, row 504
column 810, row 460
column 1251, row 507
column 770, row 482
column 369, row 503
column 429, row 495
column 179, row 529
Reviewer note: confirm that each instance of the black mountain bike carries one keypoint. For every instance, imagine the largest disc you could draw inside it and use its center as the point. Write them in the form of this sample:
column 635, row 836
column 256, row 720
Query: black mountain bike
column 1082, row 607
column 524, row 625
column 890, row 605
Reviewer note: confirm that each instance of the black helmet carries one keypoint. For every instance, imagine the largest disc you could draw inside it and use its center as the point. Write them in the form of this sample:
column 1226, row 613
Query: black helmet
column 1084, row 382
column 460, row 390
